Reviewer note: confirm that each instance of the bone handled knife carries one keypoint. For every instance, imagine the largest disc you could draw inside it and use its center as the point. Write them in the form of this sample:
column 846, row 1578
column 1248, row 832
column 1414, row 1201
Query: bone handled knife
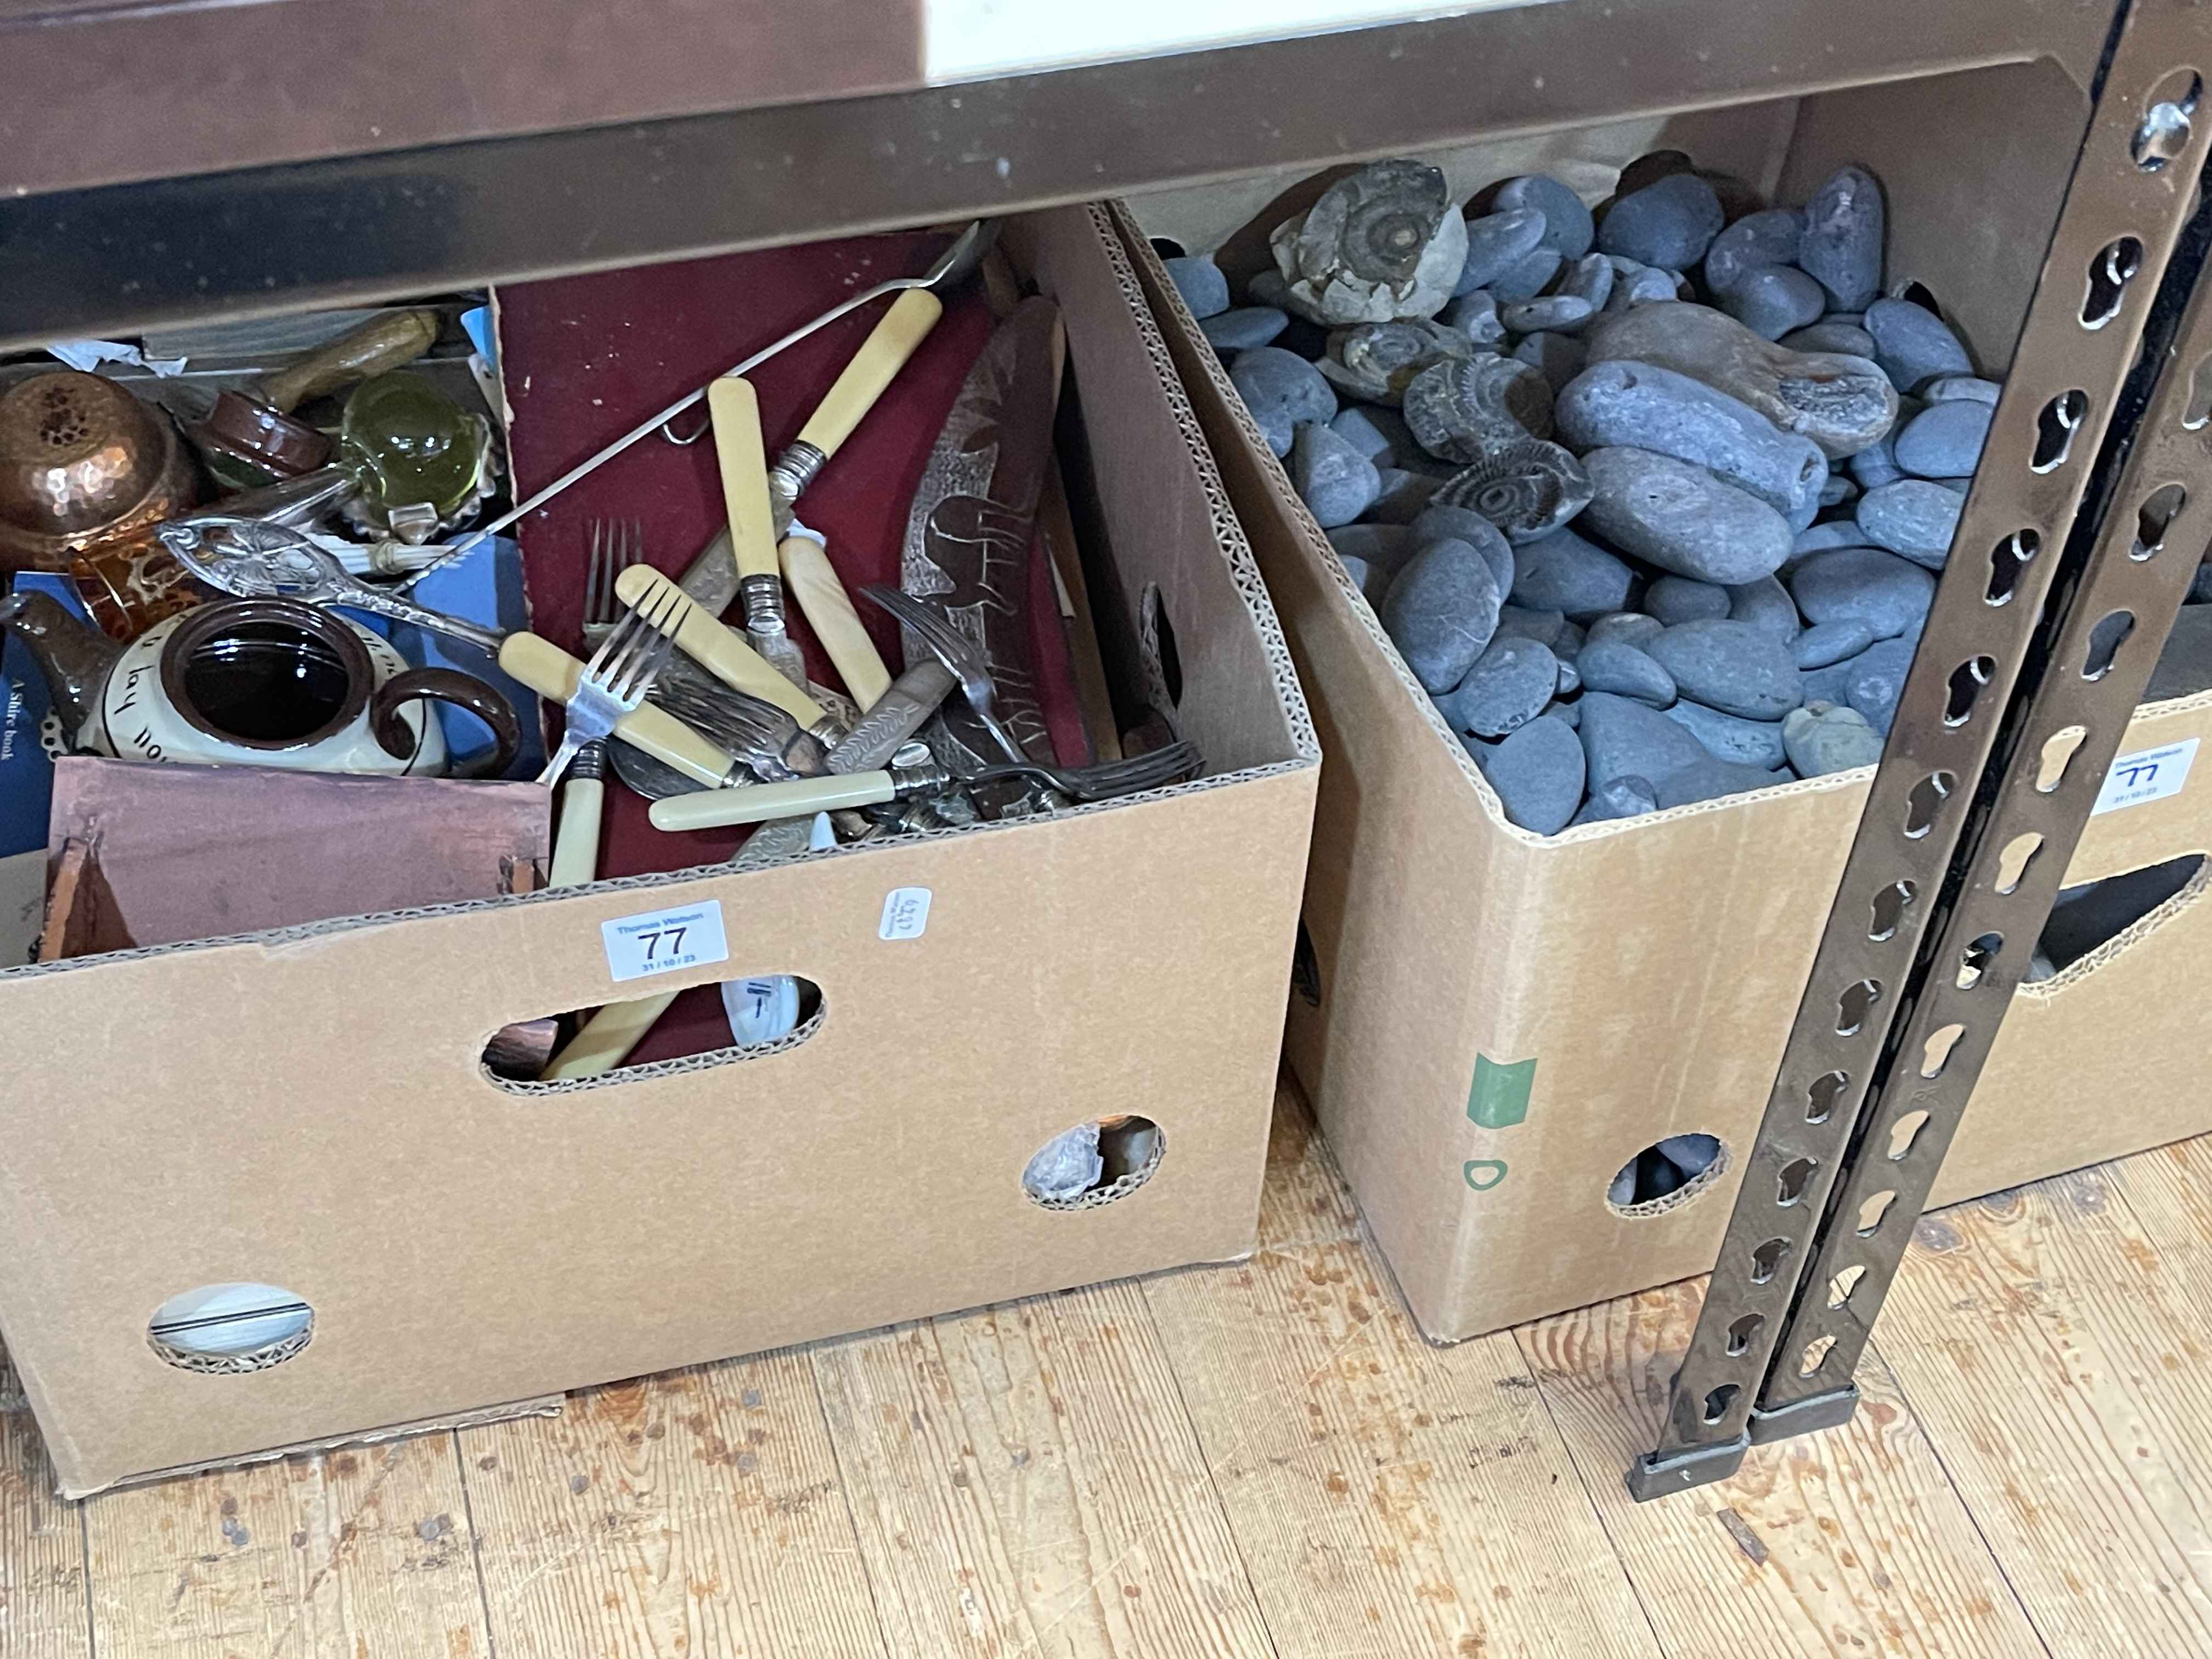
column 742, row 459
column 829, row 609
column 576, row 842
column 719, row 650
column 895, row 338
column 765, row 801
column 548, row 670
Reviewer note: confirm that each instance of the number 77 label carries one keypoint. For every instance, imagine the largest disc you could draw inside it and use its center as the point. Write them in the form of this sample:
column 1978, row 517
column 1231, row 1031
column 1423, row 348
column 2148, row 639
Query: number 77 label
column 661, row 941
column 2148, row 774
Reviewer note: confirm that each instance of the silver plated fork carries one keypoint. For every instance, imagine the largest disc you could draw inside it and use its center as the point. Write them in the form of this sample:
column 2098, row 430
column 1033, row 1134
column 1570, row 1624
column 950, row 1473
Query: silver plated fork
column 617, row 545
column 615, row 681
column 958, row 652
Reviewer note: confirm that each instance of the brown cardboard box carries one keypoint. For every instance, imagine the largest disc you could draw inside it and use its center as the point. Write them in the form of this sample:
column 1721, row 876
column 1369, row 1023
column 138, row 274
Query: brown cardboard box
column 1492, row 1023
column 305, row 1109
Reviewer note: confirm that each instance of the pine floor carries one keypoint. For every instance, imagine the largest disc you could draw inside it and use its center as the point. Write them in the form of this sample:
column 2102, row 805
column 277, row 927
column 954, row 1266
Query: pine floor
column 1261, row 1459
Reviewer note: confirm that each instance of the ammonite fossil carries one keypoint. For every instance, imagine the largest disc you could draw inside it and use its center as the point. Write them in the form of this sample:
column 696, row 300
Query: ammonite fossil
column 1381, row 245
column 1526, row 487
column 1375, row 361
column 1460, row 411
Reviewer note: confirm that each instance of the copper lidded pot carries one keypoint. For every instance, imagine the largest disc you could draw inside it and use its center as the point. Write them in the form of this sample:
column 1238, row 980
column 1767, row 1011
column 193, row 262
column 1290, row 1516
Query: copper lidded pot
column 83, row 465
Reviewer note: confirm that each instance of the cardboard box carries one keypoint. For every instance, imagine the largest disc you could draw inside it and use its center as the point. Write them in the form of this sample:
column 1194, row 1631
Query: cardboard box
column 1491, row 1023
column 306, row 1109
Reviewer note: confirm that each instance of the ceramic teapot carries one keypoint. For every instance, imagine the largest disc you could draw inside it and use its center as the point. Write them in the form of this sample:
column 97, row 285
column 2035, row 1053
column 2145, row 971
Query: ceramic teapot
column 267, row 682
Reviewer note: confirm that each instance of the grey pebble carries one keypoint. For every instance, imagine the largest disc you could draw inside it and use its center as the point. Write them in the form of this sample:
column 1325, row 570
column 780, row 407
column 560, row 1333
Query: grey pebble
column 1556, row 311
column 1380, row 434
column 1674, row 599
column 1475, row 315
column 1628, row 404
column 1730, row 736
column 1912, row 516
column 1765, row 603
column 1571, row 642
column 1519, row 622
column 1956, row 486
column 1565, row 572
column 1669, row 223
column 1538, row 775
column 1877, row 464
column 1889, row 594
column 1770, row 238
column 1497, row 242
column 1842, row 243
column 1913, row 346
column 1403, row 495
column 1372, row 583
column 1630, row 626
column 1527, row 278
column 1385, row 546
column 1622, row 738
column 1439, row 521
column 1945, row 440
column 1616, row 666
column 1572, row 713
column 1821, row 537
column 1268, row 287
column 1570, row 678
column 1336, row 481
column 1201, row 284
column 1282, row 390
column 1873, row 679
column 1569, row 230
column 1440, row 611
column 1681, row 517
column 1961, row 388
column 1628, row 797
column 1711, row 778
column 1244, row 328
column 1511, row 683
column 1590, row 278
column 1561, row 357
column 1829, row 335
column 1824, row 643
column 1731, row 666
column 1823, row 737
column 1773, row 300
column 1838, row 490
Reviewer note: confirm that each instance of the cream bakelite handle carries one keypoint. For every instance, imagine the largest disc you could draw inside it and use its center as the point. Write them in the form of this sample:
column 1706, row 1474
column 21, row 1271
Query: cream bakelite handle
column 743, row 458
column 576, row 843
column 548, row 670
column 813, row 581
column 721, row 651
column 766, row 801
column 604, row 1040
column 873, row 367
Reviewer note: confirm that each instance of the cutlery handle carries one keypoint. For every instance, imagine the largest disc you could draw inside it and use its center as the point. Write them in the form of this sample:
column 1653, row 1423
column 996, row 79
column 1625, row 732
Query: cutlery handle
column 604, row 1040
column 766, row 801
column 744, row 460
column 379, row 345
column 896, row 716
column 902, row 328
column 813, row 579
column 720, row 651
column 548, row 670
column 576, row 842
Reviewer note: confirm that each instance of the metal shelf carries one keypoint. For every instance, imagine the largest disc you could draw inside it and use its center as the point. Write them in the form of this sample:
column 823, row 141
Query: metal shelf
column 366, row 228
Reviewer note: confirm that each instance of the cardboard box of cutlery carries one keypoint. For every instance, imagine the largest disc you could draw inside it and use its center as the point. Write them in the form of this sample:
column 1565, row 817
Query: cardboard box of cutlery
column 292, row 1137
column 1496, row 1026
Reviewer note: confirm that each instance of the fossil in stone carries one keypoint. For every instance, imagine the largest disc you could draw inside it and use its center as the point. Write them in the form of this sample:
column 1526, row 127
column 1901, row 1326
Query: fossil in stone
column 1460, row 411
column 1381, row 245
column 1526, row 487
column 1373, row 361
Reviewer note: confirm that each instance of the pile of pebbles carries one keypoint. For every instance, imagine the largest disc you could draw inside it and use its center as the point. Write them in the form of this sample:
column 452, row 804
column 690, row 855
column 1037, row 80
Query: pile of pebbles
column 1651, row 500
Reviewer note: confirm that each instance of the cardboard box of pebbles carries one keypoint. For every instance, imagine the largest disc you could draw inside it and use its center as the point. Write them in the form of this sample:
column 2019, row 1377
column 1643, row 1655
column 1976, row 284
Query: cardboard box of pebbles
column 1603, row 557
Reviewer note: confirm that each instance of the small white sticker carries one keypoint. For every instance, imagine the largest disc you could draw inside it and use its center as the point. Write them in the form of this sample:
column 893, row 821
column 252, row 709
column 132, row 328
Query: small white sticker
column 906, row 913
column 2146, row 775
column 661, row 941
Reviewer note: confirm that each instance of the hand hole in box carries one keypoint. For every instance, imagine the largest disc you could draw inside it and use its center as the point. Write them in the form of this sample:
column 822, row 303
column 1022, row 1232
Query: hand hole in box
column 1718, row 1401
column 2057, row 754
column 1766, row 1260
column 1168, row 248
column 2162, row 135
column 1094, row 1163
column 1815, row 1356
column 1741, row 1332
column 2054, row 428
column 1967, row 680
column 2154, row 517
column 1935, row 1053
column 1156, row 642
column 229, row 1329
column 1822, row 1094
column 1843, row 1284
column 1305, row 968
column 766, row 1014
column 1889, row 907
column 2090, row 915
column 2105, row 639
column 2007, row 560
column 1852, row 1007
column 1925, row 801
column 2110, row 272
column 1904, row 1132
column 1974, row 961
column 1872, row 1211
column 1666, row 1175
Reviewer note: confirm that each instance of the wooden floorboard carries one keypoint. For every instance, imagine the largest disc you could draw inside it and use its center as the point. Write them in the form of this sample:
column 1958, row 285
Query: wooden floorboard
column 1261, row 1459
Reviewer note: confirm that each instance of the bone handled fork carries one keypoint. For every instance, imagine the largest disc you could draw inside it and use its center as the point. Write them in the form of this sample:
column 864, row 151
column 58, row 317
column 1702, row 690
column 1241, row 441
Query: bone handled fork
column 614, row 683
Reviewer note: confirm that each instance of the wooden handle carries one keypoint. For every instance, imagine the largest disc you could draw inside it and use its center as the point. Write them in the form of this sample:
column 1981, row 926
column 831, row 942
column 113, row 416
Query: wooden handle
column 719, row 650
column 873, row 367
column 766, row 801
column 813, row 581
column 576, row 843
column 376, row 347
column 548, row 670
column 743, row 461
column 605, row 1039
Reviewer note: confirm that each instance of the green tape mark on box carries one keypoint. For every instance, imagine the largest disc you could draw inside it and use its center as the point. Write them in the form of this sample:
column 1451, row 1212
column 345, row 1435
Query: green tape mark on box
column 1499, row 1098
